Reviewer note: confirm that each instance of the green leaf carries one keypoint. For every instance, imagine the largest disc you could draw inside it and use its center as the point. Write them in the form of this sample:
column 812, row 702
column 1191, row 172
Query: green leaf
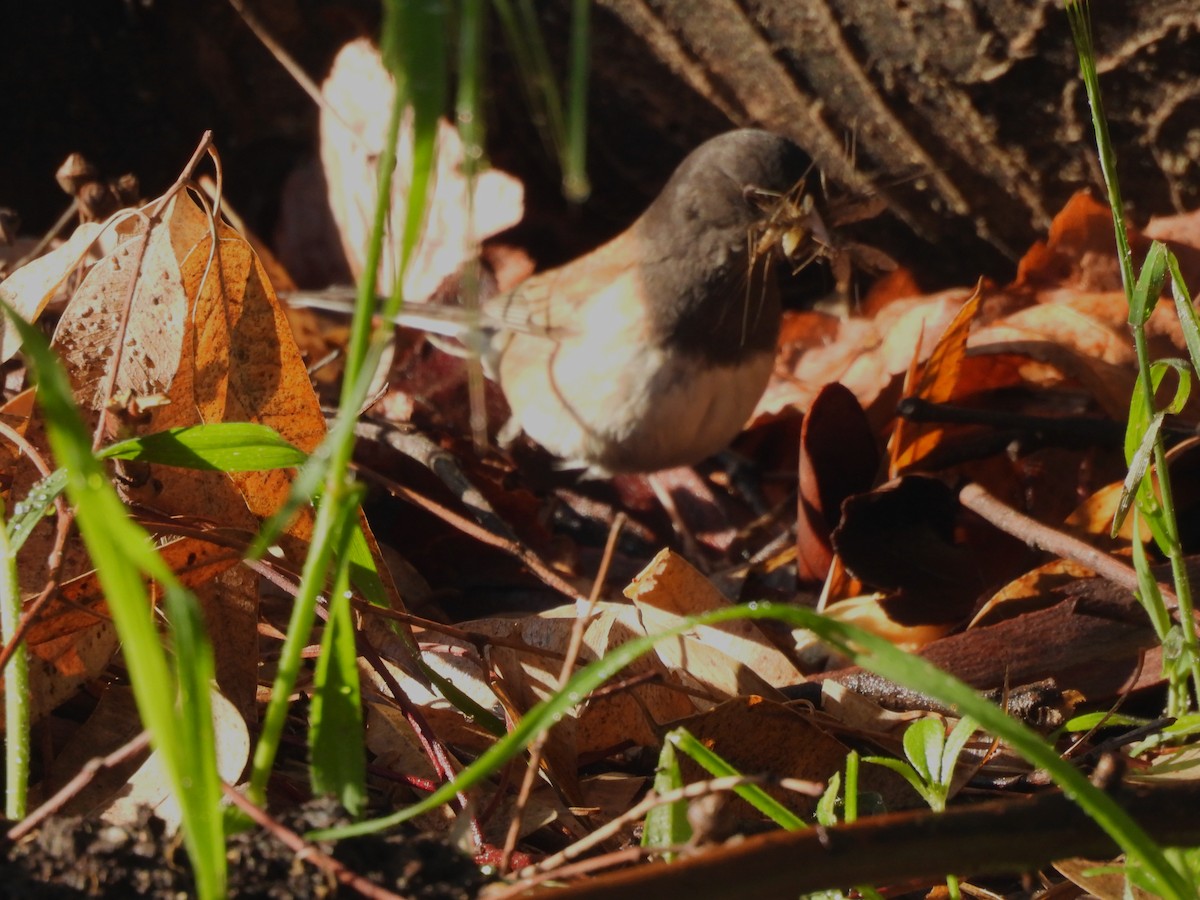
column 336, row 724
column 923, row 743
column 955, row 742
column 1188, row 320
column 220, row 446
column 905, row 771
column 667, row 824
column 826, row 814
column 1149, row 285
column 122, row 553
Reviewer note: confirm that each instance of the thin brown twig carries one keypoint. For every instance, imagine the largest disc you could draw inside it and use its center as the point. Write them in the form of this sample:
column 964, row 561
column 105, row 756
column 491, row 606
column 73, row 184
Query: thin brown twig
column 1032, row 532
column 70, row 212
column 582, row 619
column 285, row 59
column 481, row 534
column 306, row 851
column 81, row 779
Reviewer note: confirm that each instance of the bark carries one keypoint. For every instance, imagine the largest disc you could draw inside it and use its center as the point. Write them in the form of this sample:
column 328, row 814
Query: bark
column 970, row 118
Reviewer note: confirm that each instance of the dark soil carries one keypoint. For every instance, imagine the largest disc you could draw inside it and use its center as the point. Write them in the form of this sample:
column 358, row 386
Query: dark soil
column 74, row 857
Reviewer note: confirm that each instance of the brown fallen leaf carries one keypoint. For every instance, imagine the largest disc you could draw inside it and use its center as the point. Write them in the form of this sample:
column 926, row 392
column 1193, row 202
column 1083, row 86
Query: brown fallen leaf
column 731, row 658
column 838, row 457
column 31, row 287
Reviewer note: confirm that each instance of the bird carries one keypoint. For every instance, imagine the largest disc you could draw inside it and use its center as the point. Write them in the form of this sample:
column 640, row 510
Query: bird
column 652, row 350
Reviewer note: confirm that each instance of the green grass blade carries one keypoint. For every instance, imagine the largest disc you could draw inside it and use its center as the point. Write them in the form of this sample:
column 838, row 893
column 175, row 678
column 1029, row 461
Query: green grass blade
column 718, row 767
column 31, row 510
column 16, row 686
column 339, row 765
column 122, row 552
column 1149, row 285
column 575, row 180
column 667, row 825
column 1188, row 319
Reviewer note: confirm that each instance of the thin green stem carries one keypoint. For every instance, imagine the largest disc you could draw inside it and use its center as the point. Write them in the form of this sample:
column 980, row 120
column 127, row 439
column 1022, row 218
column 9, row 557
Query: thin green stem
column 1079, row 15
column 16, row 686
column 575, row 180
column 339, row 446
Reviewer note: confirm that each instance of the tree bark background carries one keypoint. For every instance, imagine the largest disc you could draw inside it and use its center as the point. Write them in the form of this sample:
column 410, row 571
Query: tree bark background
column 968, row 116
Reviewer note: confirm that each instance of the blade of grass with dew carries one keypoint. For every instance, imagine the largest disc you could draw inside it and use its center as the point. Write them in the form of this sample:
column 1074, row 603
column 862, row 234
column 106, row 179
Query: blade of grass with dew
column 174, row 703
column 219, row 446
column 339, row 765
column 715, row 765
column 16, row 685
column 33, row 508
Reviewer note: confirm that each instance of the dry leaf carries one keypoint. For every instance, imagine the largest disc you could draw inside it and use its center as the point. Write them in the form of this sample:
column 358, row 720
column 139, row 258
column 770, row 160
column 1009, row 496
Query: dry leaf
column 838, row 457
column 359, row 91
column 730, row 658
column 912, row 441
column 31, row 287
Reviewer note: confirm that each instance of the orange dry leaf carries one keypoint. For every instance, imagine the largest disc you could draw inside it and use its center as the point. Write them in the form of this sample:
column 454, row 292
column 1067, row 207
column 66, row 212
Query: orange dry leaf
column 186, row 314
column 911, row 441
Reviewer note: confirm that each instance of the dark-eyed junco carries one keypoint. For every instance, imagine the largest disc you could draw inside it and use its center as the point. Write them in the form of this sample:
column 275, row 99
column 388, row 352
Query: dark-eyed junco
column 652, row 350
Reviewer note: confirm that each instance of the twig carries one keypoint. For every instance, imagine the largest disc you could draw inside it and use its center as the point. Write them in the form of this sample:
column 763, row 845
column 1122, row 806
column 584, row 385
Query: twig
column 292, row 67
column 82, row 778
column 582, row 619
column 462, row 523
column 1061, row 544
column 49, row 236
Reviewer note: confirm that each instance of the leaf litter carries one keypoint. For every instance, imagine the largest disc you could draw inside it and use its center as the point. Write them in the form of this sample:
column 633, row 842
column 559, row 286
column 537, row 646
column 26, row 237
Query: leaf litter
column 1001, row 374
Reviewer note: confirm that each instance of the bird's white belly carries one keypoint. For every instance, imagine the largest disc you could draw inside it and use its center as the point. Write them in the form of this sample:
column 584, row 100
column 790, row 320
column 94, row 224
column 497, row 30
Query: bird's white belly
column 635, row 408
